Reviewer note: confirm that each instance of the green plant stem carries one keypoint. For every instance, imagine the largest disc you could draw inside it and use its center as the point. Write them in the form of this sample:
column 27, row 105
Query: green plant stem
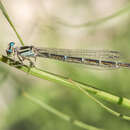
column 60, row 114
column 120, row 12
column 104, row 106
column 66, row 82
column 10, row 22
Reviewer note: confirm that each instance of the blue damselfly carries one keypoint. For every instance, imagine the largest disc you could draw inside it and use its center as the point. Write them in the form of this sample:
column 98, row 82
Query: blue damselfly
column 99, row 58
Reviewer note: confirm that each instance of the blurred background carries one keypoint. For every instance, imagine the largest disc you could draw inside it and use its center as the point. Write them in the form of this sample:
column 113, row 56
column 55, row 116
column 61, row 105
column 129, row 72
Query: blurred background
column 40, row 23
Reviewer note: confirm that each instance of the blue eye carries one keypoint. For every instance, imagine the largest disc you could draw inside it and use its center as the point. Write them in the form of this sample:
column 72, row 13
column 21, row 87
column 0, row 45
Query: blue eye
column 11, row 43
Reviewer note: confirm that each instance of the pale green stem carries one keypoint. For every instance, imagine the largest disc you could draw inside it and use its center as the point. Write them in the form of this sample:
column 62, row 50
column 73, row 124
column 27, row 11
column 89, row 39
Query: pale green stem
column 60, row 114
column 10, row 22
column 122, row 101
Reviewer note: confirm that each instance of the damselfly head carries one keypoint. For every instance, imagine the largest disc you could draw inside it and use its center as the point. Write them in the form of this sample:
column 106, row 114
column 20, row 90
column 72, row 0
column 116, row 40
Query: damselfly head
column 10, row 48
column 11, row 44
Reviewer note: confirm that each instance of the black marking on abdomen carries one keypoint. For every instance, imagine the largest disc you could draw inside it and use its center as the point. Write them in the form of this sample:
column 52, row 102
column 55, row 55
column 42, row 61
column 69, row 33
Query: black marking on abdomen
column 91, row 61
column 57, row 57
column 109, row 63
column 123, row 64
column 74, row 59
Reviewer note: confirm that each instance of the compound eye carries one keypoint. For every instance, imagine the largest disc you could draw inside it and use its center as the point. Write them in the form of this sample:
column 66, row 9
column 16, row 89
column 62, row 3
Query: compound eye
column 11, row 43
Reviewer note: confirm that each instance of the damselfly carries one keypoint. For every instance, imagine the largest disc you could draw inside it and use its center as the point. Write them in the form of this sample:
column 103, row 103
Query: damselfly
column 100, row 58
